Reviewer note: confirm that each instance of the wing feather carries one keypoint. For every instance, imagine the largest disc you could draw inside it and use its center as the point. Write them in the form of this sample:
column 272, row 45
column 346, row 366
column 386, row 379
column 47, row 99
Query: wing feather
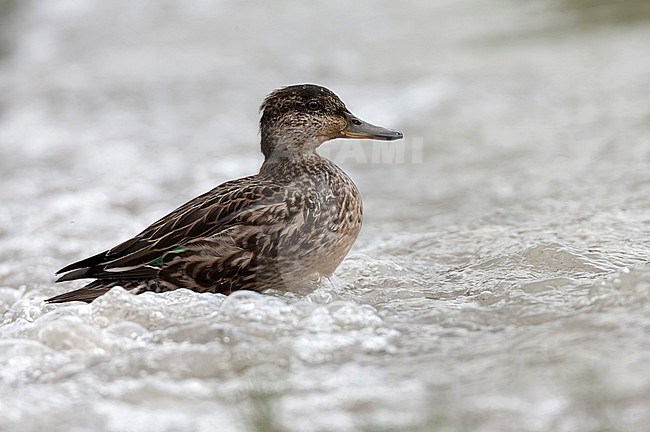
column 246, row 201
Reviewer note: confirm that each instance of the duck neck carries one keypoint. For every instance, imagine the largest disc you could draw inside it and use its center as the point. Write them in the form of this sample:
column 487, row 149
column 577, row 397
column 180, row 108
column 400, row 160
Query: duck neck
column 284, row 163
column 287, row 147
column 284, row 142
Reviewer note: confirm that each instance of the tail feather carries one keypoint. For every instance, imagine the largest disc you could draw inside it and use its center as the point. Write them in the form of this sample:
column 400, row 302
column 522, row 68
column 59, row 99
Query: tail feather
column 97, row 288
column 86, row 294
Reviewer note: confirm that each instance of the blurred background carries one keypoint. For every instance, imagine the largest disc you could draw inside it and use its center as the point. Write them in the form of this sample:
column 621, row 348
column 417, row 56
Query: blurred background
column 501, row 279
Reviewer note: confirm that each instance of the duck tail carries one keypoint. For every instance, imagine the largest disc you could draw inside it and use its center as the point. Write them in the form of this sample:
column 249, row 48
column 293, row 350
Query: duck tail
column 86, row 294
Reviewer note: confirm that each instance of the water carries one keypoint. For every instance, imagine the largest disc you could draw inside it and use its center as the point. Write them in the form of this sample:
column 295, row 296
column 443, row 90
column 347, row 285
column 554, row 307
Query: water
column 501, row 281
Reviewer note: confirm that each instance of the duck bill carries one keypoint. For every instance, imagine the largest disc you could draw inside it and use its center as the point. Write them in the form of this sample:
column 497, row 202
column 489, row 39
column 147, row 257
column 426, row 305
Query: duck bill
column 360, row 129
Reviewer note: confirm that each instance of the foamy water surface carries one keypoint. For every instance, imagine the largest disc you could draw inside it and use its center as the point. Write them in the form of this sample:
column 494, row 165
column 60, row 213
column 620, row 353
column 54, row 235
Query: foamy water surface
column 502, row 278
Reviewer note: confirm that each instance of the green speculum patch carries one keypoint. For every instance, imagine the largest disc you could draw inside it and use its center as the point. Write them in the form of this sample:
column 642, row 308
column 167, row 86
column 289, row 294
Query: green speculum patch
column 158, row 262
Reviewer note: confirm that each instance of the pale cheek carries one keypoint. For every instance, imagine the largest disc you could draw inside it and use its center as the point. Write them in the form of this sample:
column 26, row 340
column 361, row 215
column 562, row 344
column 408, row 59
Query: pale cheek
column 335, row 125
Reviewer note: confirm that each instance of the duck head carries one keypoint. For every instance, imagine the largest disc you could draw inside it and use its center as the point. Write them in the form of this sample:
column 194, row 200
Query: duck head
column 299, row 118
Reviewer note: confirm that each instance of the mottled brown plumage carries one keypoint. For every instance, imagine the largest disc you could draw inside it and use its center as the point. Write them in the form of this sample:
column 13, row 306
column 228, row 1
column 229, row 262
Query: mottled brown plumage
column 290, row 224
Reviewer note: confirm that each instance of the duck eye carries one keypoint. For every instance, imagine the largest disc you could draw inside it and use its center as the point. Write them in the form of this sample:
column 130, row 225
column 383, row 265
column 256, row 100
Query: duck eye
column 313, row 105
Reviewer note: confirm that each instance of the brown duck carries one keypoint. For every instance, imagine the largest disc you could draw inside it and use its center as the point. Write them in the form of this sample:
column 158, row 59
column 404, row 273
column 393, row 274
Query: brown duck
column 282, row 228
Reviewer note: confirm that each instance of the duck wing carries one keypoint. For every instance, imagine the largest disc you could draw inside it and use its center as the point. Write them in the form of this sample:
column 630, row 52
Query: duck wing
column 246, row 201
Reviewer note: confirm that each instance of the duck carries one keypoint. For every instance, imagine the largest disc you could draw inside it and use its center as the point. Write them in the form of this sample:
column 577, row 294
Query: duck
column 289, row 225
